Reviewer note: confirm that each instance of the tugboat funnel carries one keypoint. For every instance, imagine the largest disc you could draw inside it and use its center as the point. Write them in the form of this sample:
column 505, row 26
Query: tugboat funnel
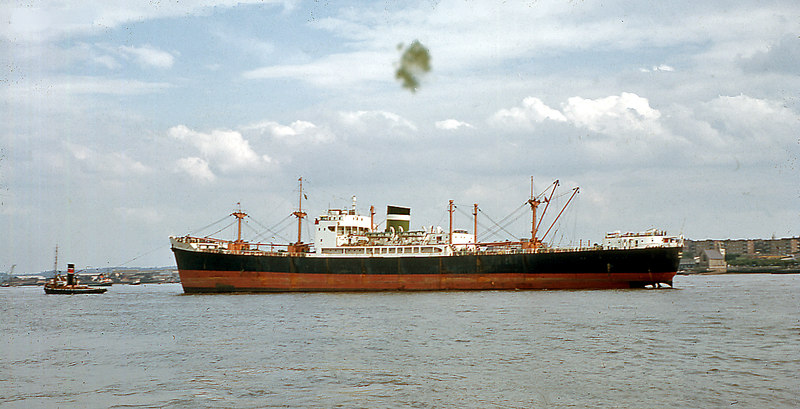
column 70, row 274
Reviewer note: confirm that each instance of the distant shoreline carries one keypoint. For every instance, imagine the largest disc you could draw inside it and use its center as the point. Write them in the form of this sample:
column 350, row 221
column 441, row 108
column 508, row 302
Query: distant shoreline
column 759, row 270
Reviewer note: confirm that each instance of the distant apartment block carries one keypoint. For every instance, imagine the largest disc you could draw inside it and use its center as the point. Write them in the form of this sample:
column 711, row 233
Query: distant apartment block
column 745, row 247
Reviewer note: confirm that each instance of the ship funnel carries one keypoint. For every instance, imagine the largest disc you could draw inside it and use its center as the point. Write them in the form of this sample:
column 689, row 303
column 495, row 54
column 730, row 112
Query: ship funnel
column 70, row 274
column 398, row 218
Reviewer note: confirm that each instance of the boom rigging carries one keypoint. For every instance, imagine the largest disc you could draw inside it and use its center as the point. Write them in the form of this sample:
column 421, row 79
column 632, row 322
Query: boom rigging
column 535, row 242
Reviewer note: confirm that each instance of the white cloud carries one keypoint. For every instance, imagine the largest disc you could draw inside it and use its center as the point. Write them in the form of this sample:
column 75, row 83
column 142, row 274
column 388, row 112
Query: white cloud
column 107, row 163
column 533, row 110
column 780, row 57
column 106, row 61
column 94, row 85
column 227, row 150
column 375, row 120
column 336, row 70
column 735, row 129
column 43, row 92
column 757, row 117
column 614, row 114
column 451, row 124
column 748, row 129
column 109, row 56
column 662, row 67
column 34, row 23
column 148, row 56
column 297, row 132
column 196, row 168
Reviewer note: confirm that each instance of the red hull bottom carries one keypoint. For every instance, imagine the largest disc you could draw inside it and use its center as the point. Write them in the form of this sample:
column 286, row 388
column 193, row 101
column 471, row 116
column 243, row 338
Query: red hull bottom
column 200, row 281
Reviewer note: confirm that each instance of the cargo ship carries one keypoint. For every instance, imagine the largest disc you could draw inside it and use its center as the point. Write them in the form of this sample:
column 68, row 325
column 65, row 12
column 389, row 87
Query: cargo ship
column 350, row 254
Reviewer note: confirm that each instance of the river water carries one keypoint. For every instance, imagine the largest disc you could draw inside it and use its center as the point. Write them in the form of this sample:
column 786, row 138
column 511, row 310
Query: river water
column 714, row 341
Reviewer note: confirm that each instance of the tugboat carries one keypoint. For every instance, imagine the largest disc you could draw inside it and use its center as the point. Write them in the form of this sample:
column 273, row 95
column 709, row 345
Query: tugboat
column 69, row 285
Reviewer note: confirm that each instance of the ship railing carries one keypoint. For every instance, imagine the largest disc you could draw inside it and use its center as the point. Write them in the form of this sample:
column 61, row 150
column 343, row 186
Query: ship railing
column 250, row 252
column 521, row 250
column 221, row 246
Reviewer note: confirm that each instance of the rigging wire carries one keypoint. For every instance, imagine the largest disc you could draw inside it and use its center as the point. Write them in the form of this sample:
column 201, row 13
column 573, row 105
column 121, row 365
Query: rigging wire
column 260, row 235
column 559, row 223
column 512, row 214
column 503, row 223
column 196, row 231
column 442, row 217
column 141, row 255
column 274, row 229
column 229, row 225
column 148, row 252
column 500, row 227
column 489, row 229
column 308, row 230
column 469, row 215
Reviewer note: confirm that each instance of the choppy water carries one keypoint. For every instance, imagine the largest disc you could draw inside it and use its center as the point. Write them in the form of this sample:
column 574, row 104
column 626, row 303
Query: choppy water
column 715, row 341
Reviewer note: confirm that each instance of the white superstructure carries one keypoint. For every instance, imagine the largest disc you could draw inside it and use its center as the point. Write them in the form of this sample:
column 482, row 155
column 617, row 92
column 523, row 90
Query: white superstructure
column 641, row 240
column 346, row 233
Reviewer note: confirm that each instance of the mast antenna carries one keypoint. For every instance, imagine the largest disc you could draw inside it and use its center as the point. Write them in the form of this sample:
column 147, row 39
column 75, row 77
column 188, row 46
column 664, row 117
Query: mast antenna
column 300, row 214
column 55, row 263
column 534, row 202
column 475, row 225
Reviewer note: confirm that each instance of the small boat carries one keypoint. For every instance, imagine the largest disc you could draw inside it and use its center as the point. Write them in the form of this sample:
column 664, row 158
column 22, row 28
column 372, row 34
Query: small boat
column 101, row 281
column 69, row 284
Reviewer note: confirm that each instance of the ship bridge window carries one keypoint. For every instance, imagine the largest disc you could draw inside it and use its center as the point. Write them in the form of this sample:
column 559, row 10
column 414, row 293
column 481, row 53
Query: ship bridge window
column 332, row 228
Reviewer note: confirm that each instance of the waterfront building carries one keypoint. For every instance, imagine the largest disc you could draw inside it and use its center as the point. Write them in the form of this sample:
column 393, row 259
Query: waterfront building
column 714, row 261
column 745, row 247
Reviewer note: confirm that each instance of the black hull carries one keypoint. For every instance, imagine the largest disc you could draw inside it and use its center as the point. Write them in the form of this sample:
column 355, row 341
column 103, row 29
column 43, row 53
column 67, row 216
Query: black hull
column 218, row 272
column 69, row 291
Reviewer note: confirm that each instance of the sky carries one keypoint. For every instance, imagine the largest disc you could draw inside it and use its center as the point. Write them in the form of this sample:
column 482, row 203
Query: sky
column 126, row 122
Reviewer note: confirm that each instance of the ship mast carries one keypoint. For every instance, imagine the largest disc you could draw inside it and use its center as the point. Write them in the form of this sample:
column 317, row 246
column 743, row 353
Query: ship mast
column 239, row 215
column 450, row 210
column 55, row 263
column 475, row 225
column 534, row 202
column 300, row 214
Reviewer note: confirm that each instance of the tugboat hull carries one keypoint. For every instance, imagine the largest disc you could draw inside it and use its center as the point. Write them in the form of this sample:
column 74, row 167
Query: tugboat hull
column 74, row 290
